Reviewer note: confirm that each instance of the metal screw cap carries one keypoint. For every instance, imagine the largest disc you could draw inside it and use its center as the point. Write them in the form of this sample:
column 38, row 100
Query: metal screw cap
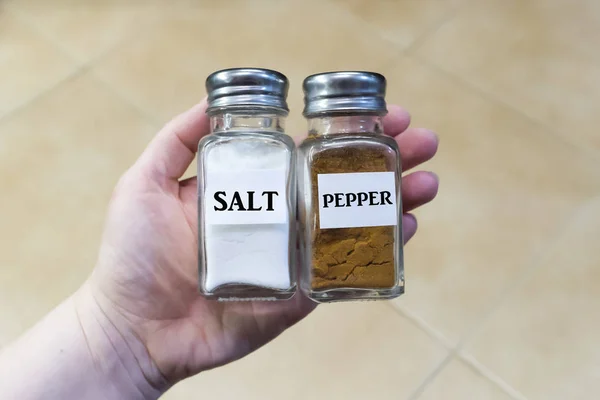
column 246, row 87
column 344, row 92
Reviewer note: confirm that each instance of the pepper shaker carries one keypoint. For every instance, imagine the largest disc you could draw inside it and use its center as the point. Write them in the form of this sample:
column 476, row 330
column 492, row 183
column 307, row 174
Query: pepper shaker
column 349, row 177
column 247, row 189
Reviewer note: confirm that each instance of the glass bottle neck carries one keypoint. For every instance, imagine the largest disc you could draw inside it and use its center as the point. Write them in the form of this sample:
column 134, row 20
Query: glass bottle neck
column 345, row 124
column 241, row 121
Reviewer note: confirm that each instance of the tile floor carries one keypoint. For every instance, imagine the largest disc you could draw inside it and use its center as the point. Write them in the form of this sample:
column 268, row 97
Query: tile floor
column 503, row 279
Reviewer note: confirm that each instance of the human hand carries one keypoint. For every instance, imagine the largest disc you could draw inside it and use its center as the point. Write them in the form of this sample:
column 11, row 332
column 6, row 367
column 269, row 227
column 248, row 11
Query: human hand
column 145, row 282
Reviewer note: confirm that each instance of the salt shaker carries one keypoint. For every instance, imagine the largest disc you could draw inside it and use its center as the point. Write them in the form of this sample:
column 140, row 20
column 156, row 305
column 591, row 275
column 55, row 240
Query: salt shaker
column 349, row 176
column 247, row 189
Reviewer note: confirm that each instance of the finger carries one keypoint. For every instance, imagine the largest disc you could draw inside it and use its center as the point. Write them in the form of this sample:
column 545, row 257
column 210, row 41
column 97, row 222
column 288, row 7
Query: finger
column 416, row 145
column 418, row 188
column 172, row 150
column 396, row 121
column 188, row 189
column 409, row 226
column 298, row 139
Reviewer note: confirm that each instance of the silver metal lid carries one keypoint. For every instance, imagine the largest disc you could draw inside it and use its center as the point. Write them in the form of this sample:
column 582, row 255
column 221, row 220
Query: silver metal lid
column 344, row 92
column 246, row 87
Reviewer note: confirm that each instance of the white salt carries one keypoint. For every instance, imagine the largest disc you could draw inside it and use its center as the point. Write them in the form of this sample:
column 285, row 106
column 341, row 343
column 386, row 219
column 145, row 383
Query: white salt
column 251, row 254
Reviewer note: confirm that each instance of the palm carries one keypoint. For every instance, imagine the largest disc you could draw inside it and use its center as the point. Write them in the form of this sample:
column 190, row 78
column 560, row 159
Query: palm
column 183, row 331
column 147, row 269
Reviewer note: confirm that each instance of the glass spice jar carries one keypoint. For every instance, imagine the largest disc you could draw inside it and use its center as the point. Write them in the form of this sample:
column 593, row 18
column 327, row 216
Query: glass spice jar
column 349, row 176
column 247, row 189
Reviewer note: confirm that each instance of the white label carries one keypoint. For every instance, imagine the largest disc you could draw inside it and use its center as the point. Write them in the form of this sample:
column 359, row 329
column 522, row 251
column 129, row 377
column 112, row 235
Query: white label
column 358, row 199
column 246, row 197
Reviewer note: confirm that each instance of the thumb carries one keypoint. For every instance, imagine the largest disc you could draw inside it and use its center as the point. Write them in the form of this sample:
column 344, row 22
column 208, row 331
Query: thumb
column 172, row 150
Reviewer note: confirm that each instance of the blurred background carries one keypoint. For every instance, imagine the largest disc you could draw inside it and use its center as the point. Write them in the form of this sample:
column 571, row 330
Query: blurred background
column 503, row 278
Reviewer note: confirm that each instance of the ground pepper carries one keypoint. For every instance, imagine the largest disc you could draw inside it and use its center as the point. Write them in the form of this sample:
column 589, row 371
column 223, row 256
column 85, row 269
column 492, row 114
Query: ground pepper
column 352, row 257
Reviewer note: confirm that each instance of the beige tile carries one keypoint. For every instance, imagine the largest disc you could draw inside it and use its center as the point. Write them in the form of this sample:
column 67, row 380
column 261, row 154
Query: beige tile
column 163, row 71
column 538, row 56
column 567, row 24
column 401, row 22
column 544, row 339
column 59, row 160
column 349, row 351
column 90, row 28
column 22, row 55
column 507, row 186
column 458, row 381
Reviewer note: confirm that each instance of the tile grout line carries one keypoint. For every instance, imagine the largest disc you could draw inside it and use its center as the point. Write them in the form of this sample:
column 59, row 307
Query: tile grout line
column 421, row 324
column 71, row 76
column 150, row 119
column 535, row 262
column 356, row 18
column 437, row 337
column 398, row 49
column 431, row 377
column 469, row 359
column 77, row 66
column 491, row 376
column 42, row 93
column 409, row 49
column 591, row 154
column 25, row 19
column 474, row 365
column 403, row 49
column 80, row 67
column 101, row 79
column 453, row 353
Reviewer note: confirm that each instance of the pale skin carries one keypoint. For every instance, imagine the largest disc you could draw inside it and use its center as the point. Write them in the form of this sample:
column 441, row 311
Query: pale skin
column 138, row 324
